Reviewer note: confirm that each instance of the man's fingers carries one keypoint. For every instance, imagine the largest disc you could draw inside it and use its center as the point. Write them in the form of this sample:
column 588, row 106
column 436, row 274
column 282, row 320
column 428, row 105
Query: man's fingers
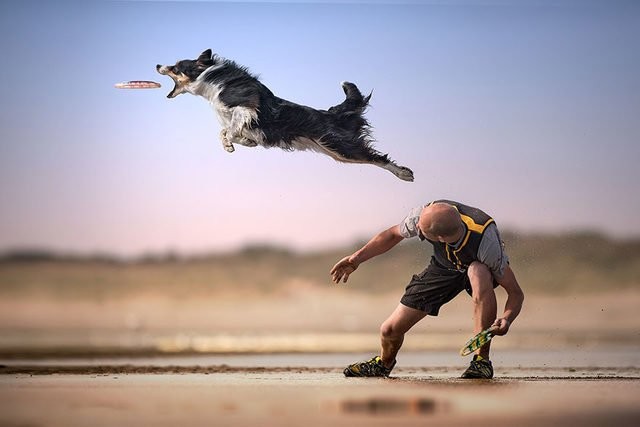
column 501, row 323
column 500, row 326
column 341, row 271
column 337, row 267
column 337, row 275
column 336, row 272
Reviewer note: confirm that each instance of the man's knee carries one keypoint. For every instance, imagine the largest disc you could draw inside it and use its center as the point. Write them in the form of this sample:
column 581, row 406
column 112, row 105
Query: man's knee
column 386, row 329
column 390, row 330
column 400, row 321
column 480, row 278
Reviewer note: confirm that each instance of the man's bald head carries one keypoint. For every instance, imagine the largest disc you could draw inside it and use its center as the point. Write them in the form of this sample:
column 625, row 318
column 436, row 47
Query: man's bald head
column 440, row 221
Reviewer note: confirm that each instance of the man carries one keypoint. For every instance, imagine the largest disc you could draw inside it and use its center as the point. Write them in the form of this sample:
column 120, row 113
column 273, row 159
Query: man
column 468, row 255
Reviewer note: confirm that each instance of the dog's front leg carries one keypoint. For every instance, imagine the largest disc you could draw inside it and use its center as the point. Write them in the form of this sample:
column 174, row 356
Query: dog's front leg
column 246, row 138
column 226, row 144
column 241, row 119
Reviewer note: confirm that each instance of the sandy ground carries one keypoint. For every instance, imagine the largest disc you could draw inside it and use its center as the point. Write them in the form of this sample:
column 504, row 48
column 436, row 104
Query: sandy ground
column 303, row 320
column 316, row 397
column 563, row 388
column 570, row 361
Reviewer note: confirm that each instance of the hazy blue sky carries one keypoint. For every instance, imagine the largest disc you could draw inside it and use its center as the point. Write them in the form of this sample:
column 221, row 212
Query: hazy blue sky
column 527, row 109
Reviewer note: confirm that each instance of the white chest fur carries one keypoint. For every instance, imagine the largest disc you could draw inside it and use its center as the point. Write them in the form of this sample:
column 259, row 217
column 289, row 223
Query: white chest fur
column 211, row 92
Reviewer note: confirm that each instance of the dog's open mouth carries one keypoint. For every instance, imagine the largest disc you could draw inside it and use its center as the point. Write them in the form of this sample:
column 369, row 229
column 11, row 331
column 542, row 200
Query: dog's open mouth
column 178, row 84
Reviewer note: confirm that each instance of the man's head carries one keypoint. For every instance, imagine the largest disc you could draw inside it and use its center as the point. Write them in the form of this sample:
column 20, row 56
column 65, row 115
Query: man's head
column 441, row 222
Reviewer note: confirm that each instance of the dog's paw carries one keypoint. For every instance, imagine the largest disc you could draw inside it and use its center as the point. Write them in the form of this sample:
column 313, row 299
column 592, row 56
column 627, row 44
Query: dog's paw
column 226, row 144
column 404, row 173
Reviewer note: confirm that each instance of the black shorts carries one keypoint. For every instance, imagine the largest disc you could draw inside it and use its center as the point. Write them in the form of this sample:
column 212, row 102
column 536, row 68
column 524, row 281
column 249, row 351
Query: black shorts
column 434, row 287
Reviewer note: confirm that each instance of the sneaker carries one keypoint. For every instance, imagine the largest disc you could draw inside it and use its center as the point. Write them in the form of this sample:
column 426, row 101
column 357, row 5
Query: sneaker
column 479, row 368
column 370, row 368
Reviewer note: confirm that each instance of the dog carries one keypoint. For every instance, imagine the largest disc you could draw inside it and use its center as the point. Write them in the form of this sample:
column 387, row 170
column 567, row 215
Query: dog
column 251, row 115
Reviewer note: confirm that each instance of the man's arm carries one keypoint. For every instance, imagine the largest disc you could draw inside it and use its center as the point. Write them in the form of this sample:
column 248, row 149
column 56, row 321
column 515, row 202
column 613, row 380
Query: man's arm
column 379, row 244
column 515, row 298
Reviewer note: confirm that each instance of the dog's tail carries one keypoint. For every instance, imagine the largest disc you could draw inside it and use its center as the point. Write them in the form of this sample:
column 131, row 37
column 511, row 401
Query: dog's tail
column 354, row 101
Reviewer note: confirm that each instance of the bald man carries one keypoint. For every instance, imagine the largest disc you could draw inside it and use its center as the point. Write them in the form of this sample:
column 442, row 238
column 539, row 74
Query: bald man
column 467, row 255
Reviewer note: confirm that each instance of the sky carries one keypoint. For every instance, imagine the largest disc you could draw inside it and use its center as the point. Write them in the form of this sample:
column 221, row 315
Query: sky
column 526, row 109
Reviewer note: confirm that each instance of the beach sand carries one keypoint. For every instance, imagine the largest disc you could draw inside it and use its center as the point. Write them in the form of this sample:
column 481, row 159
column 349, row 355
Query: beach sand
column 569, row 361
column 316, row 397
column 565, row 388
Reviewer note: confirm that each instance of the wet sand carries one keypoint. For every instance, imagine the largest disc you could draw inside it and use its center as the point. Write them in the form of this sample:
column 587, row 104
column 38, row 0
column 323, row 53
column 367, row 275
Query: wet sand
column 568, row 362
column 315, row 398
column 264, row 391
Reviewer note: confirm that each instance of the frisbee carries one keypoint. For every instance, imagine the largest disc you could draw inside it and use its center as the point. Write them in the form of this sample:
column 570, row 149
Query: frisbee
column 477, row 341
column 137, row 84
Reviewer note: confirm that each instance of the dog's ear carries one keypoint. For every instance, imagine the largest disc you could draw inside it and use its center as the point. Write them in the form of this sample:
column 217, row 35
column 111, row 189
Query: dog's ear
column 205, row 58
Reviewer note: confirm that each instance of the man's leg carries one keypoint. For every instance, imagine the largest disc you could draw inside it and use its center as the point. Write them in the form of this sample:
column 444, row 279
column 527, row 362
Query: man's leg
column 391, row 336
column 484, row 314
column 484, row 301
column 426, row 291
column 393, row 329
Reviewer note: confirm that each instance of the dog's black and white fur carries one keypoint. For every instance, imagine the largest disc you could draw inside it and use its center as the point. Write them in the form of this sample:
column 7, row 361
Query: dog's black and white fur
column 251, row 115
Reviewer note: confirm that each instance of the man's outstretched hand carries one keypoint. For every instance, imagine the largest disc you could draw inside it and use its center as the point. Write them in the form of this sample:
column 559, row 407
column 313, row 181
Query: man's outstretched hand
column 342, row 270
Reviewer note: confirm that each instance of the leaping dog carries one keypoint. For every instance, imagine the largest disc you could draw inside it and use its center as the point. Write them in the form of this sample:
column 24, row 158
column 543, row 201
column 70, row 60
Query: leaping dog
column 251, row 115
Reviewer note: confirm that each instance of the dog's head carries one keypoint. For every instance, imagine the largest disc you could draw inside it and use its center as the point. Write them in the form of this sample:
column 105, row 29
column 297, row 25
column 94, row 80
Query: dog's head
column 186, row 72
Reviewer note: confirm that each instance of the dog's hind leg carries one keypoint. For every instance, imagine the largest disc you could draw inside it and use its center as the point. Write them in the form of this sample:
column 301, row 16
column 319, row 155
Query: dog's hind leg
column 402, row 172
column 362, row 152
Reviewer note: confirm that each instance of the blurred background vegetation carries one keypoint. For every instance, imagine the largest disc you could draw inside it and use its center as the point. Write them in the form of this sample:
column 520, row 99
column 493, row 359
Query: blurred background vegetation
column 545, row 264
